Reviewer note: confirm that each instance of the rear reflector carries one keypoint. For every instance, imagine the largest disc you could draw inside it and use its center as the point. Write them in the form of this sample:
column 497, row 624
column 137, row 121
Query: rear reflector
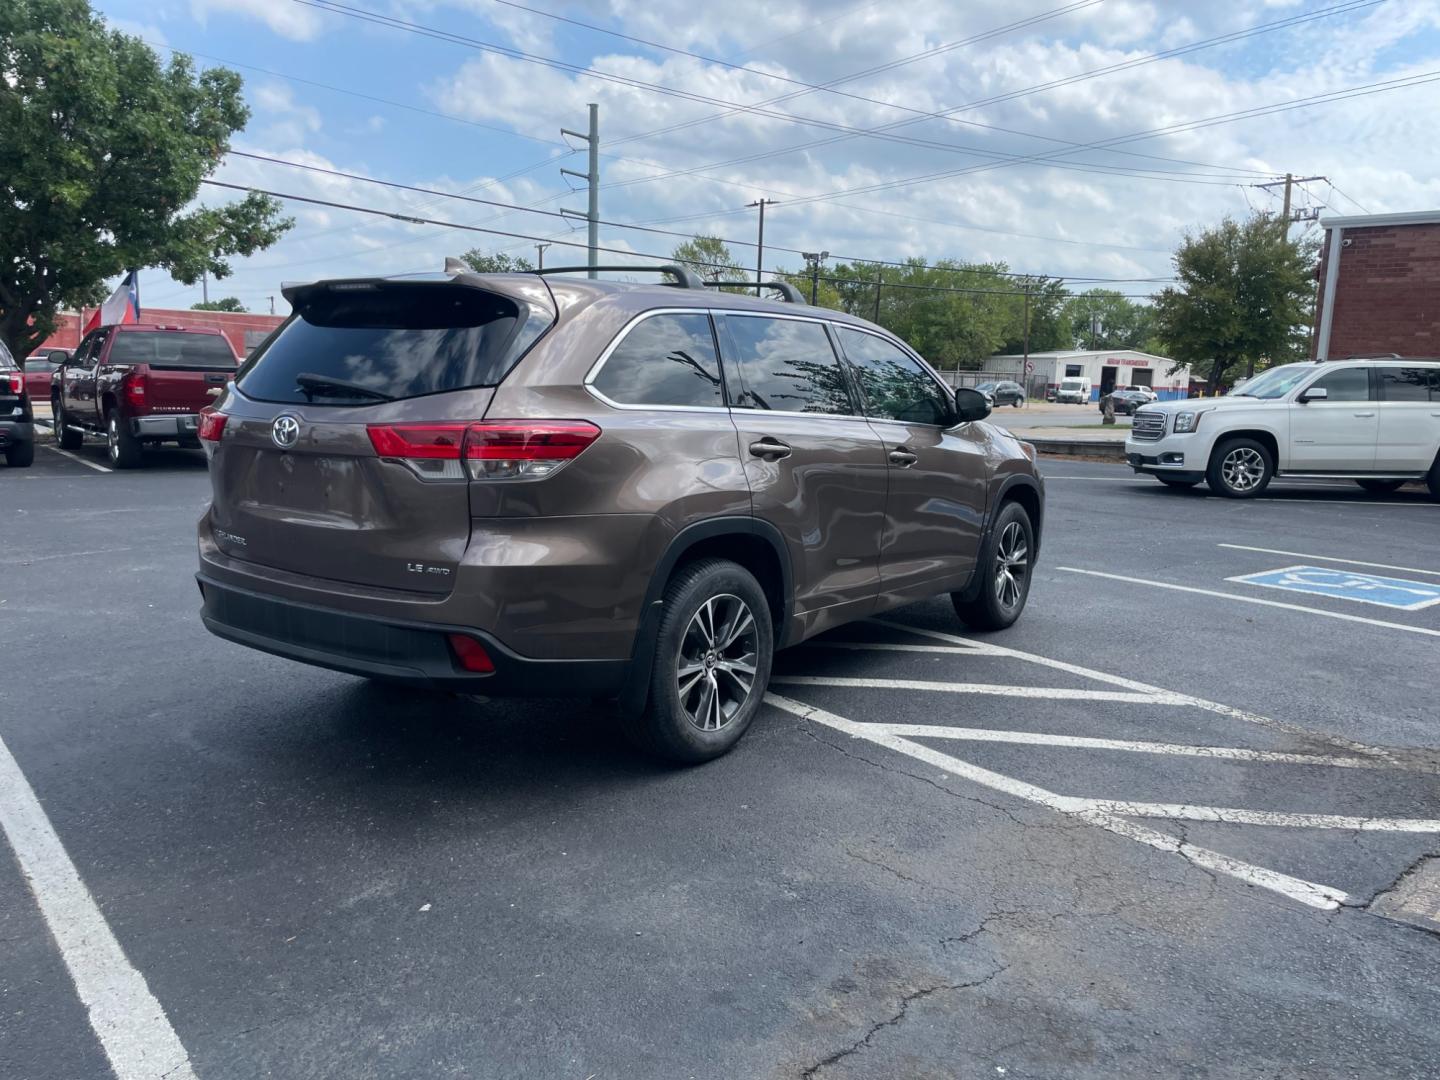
column 471, row 654
column 212, row 424
column 492, row 450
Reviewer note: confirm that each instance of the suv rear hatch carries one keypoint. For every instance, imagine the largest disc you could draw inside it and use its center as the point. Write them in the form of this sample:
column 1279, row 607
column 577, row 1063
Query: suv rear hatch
column 361, row 367
column 180, row 368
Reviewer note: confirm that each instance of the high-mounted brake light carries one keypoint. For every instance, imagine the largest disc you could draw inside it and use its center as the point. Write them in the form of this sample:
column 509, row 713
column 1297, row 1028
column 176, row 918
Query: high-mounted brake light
column 492, row 450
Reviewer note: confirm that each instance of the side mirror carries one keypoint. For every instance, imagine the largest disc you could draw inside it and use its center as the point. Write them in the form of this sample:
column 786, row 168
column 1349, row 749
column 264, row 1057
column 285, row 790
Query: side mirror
column 971, row 404
column 1315, row 393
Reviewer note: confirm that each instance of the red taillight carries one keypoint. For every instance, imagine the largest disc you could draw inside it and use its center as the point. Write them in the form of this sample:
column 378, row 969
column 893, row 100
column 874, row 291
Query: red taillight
column 471, row 654
column 16, row 382
column 212, row 424
column 492, row 450
column 134, row 387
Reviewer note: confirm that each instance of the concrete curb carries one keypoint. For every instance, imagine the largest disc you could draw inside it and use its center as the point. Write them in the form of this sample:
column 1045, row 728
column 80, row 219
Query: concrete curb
column 1106, row 449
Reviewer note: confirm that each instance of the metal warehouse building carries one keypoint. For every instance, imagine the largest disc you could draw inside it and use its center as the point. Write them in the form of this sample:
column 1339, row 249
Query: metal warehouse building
column 1105, row 368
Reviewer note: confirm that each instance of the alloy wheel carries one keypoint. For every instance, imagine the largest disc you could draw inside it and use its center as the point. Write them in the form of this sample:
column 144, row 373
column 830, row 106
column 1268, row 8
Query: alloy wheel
column 715, row 669
column 112, row 439
column 1012, row 563
column 1242, row 469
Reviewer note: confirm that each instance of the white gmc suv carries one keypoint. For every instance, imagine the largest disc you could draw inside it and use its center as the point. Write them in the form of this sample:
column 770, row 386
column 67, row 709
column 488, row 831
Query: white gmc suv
column 1376, row 422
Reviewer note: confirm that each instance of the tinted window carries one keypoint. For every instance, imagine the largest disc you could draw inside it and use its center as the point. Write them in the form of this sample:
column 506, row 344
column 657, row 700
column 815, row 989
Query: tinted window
column 895, row 386
column 665, row 360
column 397, row 341
column 7, row 362
column 1410, row 383
column 36, row 365
column 1346, row 384
column 172, row 349
column 786, row 365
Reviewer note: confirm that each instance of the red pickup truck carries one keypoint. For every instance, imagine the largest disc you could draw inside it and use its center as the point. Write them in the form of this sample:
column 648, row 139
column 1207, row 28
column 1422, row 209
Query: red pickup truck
column 138, row 384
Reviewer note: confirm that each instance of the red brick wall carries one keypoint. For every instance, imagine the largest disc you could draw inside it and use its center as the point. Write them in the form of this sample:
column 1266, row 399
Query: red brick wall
column 1387, row 297
column 232, row 325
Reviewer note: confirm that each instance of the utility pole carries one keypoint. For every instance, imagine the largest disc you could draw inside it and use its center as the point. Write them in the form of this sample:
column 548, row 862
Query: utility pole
column 879, row 283
column 760, row 242
column 272, row 305
column 204, row 286
column 1025, row 368
column 1288, row 183
column 540, row 256
column 593, row 179
column 815, row 258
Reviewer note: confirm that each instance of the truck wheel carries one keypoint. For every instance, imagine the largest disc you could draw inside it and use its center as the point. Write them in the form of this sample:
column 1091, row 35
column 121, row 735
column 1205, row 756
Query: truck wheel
column 1240, row 469
column 712, row 663
column 123, row 447
column 1004, row 570
column 1381, row 487
column 69, row 438
column 21, row 455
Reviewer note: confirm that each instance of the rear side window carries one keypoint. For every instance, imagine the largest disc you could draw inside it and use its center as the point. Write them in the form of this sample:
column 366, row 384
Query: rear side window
column 7, row 362
column 1410, row 384
column 1345, row 384
column 896, row 387
column 787, row 365
column 664, row 360
column 390, row 341
column 174, row 350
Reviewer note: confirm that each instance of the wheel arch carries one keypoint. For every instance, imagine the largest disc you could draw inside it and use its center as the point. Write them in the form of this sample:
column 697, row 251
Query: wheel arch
column 1265, row 438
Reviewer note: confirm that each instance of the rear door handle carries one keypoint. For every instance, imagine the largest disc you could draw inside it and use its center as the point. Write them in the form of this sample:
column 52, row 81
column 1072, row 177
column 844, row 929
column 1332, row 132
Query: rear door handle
column 769, row 449
column 1364, row 414
column 902, row 457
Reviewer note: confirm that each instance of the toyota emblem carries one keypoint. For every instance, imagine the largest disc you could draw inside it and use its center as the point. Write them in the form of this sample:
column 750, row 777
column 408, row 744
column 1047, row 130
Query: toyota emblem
column 285, row 431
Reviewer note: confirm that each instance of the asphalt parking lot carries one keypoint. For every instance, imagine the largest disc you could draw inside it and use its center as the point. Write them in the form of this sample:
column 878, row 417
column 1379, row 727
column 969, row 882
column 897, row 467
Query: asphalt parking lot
column 1171, row 824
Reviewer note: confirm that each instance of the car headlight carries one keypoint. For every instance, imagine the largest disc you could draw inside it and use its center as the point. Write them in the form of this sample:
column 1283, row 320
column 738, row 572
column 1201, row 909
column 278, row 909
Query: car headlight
column 1186, row 422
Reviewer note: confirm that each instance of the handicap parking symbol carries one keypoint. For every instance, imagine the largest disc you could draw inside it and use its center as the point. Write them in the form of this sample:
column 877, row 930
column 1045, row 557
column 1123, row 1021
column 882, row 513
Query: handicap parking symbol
column 1388, row 592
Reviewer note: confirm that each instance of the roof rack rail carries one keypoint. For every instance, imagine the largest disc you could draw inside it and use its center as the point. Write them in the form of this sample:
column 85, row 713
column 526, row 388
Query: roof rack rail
column 1364, row 356
column 685, row 278
column 789, row 293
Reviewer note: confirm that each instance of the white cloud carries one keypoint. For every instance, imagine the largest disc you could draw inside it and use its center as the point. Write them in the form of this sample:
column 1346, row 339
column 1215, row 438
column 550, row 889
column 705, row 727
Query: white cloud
column 282, row 120
column 294, row 21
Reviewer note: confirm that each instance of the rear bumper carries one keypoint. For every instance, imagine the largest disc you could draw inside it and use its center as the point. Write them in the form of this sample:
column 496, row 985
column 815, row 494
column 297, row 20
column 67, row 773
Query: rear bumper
column 415, row 653
column 177, row 426
column 14, row 432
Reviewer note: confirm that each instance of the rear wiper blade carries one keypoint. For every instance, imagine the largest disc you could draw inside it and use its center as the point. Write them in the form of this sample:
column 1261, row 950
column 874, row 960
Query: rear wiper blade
column 323, row 384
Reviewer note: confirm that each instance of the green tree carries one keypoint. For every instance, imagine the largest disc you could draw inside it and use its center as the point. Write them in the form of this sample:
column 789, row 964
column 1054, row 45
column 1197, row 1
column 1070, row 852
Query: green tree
column 1245, row 298
column 496, row 262
column 225, row 303
column 104, row 152
column 710, row 257
column 1048, row 324
column 1107, row 319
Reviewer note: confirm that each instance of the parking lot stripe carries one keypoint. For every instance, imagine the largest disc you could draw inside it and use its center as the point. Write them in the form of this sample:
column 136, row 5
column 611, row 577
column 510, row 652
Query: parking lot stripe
column 76, row 457
column 132, row 1028
column 1330, row 558
column 1050, row 693
column 1082, row 742
column 1254, row 600
column 1306, row 892
column 890, row 646
column 1233, row 816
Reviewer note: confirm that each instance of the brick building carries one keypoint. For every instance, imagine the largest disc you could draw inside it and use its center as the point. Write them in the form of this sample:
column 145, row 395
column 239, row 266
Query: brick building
column 1379, row 286
column 244, row 331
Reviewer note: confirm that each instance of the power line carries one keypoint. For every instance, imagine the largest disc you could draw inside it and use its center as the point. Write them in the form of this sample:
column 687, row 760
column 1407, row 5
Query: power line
column 1347, row 197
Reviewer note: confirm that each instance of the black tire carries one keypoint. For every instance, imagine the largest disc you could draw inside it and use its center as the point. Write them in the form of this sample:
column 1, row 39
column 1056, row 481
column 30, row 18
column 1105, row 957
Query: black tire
column 1433, row 481
column 1176, row 482
column 998, row 602
column 123, row 448
column 20, row 456
column 680, row 708
column 1018, row 402
column 1381, row 487
column 1240, row 469
column 68, row 438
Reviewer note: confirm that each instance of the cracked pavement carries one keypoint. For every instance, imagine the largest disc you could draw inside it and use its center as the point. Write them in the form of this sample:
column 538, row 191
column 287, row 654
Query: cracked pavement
column 320, row 878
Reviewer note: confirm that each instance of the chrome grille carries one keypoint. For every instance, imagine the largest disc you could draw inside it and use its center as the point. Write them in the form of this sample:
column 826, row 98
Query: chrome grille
column 1148, row 425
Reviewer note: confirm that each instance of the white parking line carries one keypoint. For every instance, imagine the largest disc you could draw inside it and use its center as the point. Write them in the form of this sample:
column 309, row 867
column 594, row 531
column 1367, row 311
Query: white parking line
column 1254, row 600
column 1306, row 892
column 1223, row 753
column 1216, row 707
column 132, row 1028
column 1329, row 558
column 76, row 457
column 1049, row 693
column 1226, row 815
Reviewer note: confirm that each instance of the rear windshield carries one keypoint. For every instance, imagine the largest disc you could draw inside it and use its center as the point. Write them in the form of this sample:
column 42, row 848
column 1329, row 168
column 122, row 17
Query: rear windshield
column 7, row 362
column 391, row 341
column 172, row 349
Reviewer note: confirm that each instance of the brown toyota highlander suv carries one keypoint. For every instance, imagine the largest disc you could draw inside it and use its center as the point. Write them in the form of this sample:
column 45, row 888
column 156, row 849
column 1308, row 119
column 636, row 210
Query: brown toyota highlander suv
column 526, row 484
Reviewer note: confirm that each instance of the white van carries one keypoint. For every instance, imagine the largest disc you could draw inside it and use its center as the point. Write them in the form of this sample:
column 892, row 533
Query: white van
column 1073, row 391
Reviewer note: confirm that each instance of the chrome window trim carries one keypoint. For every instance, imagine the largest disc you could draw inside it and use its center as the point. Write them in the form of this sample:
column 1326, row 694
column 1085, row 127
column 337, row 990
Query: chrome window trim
column 620, row 335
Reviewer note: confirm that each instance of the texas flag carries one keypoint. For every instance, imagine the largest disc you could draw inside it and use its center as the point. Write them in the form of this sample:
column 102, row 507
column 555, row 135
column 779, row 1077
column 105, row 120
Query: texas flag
column 122, row 307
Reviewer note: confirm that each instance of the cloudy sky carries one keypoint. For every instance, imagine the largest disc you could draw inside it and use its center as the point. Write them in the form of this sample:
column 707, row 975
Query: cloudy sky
column 1076, row 138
